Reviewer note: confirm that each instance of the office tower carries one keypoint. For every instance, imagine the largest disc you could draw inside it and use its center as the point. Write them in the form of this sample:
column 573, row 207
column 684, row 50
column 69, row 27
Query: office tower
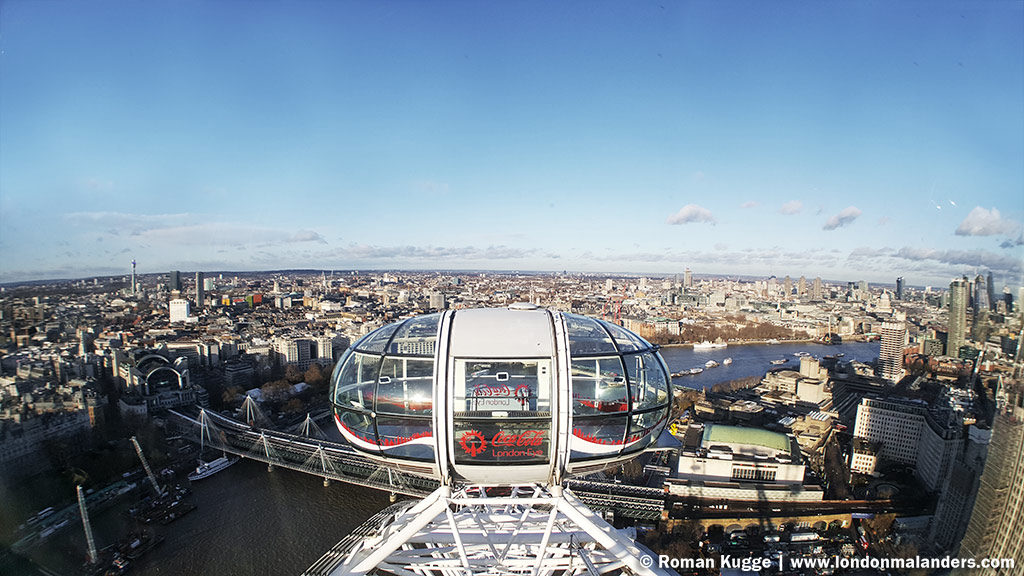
column 989, row 284
column 801, row 286
column 899, row 288
column 178, row 310
column 909, row 433
column 787, row 286
column 437, row 300
column 200, row 293
column 1008, row 298
column 981, row 301
column 687, row 279
column 997, row 520
column 174, row 282
column 957, row 316
column 817, row 291
column 894, row 337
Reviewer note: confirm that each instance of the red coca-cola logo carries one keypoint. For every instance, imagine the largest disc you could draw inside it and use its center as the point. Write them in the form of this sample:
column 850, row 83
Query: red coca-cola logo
column 524, row 438
column 521, row 391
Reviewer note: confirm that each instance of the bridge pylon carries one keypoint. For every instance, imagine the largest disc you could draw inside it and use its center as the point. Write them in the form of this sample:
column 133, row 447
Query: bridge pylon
column 309, row 429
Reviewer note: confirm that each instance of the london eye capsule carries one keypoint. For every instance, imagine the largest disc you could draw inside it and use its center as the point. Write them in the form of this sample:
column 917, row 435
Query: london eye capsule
column 501, row 396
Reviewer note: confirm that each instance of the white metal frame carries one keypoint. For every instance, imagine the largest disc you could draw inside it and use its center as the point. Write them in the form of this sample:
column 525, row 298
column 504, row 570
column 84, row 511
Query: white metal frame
column 532, row 530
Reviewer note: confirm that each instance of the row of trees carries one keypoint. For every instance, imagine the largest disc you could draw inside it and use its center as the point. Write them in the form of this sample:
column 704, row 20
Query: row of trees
column 278, row 392
column 727, row 331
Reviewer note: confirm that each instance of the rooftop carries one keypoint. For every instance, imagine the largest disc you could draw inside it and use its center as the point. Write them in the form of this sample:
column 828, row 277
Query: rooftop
column 719, row 434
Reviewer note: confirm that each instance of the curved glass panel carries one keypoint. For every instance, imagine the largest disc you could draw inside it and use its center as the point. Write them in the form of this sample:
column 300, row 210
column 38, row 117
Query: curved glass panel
column 502, row 411
column 626, row 340
column 598, row 386
column 648, row 383
column 597, row 436
column 355, row 381
column 416, row 337
column 405, row 437
column 503, row 388
column 360, row 425
column 646, row 424
column 405, row 386
column 376, row 341
column 587, row 337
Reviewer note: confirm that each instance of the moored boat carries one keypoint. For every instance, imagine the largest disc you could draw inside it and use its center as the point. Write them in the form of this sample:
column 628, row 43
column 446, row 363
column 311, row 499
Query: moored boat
column 779, row 362
column 727, row 361
column 705, row 345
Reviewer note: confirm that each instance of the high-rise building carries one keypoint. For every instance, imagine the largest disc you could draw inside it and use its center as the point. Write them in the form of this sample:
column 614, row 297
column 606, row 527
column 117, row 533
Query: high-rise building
column 981, row 300
column 687, row 279
column 178, row 310
column 298, row 351
column 909, row 433
column 899, row 288
column 894, row 338
column 990, row 285
column 436, row 300
column 997, row 520
column 816, row 291
column 134, row 286
column 1008, row 299
column 801, row 286
column 957, row 316
column 787, row 286
column 200, row 293
column 174, row 281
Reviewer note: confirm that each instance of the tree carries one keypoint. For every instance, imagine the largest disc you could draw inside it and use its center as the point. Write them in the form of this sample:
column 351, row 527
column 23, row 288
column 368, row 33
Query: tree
column 316, row 378
column 293, row 374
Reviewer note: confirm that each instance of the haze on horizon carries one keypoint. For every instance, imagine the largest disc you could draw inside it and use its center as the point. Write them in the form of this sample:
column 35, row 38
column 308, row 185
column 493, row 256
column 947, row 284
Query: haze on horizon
column 848, row 141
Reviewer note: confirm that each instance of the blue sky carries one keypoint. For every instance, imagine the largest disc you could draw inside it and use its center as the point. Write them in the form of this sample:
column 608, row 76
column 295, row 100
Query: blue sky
column 850, row 140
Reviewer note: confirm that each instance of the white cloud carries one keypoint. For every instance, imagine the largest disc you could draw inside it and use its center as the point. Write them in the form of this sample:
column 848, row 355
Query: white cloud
column 748, row 204
column 433, row 253
column 982, row 222
column 846, row 216
column 691, row 213
column 307, row 236
column 792, row 207
column 961, row 258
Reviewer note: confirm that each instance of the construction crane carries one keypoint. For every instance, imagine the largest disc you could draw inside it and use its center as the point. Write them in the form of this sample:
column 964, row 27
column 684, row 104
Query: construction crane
column 145, row 464
column 93, row 557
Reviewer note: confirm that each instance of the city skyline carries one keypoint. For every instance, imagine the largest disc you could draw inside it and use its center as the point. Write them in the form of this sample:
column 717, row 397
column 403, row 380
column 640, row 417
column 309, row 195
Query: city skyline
column 843, row 141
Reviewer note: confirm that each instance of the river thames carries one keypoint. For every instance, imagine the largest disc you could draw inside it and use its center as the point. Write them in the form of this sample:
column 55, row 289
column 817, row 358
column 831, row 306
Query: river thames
column 253, row 522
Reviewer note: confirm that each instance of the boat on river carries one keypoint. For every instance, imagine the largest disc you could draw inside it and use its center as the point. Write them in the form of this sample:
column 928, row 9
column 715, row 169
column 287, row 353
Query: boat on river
column 207, row 469
column 705, row 345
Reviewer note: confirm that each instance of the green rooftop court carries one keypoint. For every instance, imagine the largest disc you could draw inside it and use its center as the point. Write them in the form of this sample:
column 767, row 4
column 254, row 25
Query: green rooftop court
column 719, row 434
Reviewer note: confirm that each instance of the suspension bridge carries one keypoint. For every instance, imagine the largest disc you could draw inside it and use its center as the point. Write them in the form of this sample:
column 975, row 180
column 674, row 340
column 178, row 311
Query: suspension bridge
column 306, row 448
